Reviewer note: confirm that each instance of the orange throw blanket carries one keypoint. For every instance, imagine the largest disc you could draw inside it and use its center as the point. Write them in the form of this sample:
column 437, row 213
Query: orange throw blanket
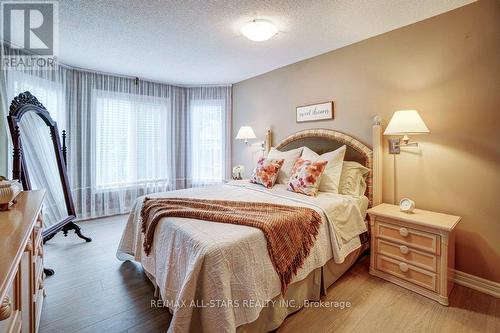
column 290, row 231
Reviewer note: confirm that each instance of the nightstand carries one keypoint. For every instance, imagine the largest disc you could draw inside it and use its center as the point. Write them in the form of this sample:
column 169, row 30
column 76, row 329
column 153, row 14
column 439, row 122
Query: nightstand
column 414, row 250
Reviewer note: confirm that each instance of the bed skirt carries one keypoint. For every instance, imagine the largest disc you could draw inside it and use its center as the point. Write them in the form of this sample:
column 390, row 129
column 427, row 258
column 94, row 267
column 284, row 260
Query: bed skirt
column 311, row 288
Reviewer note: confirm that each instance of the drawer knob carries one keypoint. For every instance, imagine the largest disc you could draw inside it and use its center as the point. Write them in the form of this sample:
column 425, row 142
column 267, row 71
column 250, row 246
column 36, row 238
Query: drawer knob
column 404, row 249
column 403, row 232
column 5, row 308
column 403, row 267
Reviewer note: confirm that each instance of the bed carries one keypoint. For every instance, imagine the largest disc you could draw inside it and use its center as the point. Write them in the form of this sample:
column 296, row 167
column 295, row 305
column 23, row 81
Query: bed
column 218, row 277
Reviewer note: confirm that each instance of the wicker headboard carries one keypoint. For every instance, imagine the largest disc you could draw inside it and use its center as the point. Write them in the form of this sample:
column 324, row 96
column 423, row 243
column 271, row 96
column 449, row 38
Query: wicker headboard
column 325, row 140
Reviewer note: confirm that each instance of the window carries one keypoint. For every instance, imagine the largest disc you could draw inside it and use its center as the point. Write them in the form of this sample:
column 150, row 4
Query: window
column 49, row 93
column 207, row 126
column 131, row 142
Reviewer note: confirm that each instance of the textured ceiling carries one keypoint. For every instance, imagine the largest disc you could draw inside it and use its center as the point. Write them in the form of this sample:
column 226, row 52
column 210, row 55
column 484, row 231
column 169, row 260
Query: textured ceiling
column 199, row 42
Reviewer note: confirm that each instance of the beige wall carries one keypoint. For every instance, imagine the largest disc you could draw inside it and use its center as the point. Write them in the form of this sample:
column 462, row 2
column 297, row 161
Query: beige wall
column 446, row 67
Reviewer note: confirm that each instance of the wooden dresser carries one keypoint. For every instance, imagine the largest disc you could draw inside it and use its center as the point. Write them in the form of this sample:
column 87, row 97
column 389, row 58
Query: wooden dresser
column 414, row 250
column 21, row 264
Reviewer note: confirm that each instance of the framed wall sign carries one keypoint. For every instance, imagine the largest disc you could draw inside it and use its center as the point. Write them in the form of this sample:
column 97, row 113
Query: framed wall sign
column 314, row 112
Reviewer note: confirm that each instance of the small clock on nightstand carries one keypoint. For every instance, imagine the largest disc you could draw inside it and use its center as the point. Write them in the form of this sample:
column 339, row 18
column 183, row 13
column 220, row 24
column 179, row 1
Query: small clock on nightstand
column 406, row 205
column 415, row 251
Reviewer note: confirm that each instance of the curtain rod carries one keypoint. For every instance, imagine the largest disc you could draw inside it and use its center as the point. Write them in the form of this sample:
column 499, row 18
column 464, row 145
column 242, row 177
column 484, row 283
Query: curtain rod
column 144, row 80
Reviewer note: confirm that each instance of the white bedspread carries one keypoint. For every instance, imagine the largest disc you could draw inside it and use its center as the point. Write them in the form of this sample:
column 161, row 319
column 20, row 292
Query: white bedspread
column 226, row 268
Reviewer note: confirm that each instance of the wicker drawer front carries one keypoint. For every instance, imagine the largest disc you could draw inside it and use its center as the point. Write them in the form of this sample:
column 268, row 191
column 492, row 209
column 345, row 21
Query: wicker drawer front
column 407, row 272
column 414, row 238
column 407, row 254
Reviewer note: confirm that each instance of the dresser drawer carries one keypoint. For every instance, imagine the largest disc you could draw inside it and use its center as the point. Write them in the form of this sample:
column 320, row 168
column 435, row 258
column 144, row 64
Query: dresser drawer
column 407, row 254
column 38, row 273
column 407, row 236
column 407, row 272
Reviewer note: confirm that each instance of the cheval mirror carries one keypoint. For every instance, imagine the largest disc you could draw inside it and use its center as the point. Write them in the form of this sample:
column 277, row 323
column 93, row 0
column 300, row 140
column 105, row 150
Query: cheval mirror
column 39, row 162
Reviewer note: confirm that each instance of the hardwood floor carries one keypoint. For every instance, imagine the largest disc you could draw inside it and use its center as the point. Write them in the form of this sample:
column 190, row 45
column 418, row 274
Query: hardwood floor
column 92, row 291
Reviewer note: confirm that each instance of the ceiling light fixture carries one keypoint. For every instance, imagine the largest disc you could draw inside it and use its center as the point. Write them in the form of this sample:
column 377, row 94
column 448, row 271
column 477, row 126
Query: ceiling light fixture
column 259, row 30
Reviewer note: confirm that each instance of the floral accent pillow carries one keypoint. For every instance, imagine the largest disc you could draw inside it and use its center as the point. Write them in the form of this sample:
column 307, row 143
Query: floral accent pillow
column 266, row 171
column 306, row 175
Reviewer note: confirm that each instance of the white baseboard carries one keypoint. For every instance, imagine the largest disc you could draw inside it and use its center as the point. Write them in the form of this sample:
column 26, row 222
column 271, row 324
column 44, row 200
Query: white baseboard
column 477, row 283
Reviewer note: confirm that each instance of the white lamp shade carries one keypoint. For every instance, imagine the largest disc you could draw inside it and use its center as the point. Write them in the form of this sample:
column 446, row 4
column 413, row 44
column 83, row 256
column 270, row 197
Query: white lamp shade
column 406, row 122
column 245, row 132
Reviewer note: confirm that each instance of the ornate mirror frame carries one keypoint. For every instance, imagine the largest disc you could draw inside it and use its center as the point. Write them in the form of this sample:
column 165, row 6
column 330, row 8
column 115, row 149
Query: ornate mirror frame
column 21, row 105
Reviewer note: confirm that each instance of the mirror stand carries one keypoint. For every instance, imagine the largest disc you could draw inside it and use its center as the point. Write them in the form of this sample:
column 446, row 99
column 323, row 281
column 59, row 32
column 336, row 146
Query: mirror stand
column 39, row 161
column 67, row 227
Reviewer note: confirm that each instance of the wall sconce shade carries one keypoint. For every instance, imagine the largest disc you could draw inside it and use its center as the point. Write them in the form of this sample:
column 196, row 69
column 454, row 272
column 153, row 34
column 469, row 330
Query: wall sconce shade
column 245, row 133
column 404, row 122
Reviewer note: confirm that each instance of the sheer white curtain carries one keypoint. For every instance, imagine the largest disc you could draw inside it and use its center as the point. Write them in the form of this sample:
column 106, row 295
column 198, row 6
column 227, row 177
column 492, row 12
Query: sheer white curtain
column 207, row 140
column 121, row 141
column 129, row 138
column 130, row 148
column 209, row 125
column 48, row 92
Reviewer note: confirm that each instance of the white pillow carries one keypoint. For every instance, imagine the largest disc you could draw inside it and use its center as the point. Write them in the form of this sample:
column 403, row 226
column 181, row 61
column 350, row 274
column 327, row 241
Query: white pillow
column 330, row 179
column 353, row 179
column 290, row 157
